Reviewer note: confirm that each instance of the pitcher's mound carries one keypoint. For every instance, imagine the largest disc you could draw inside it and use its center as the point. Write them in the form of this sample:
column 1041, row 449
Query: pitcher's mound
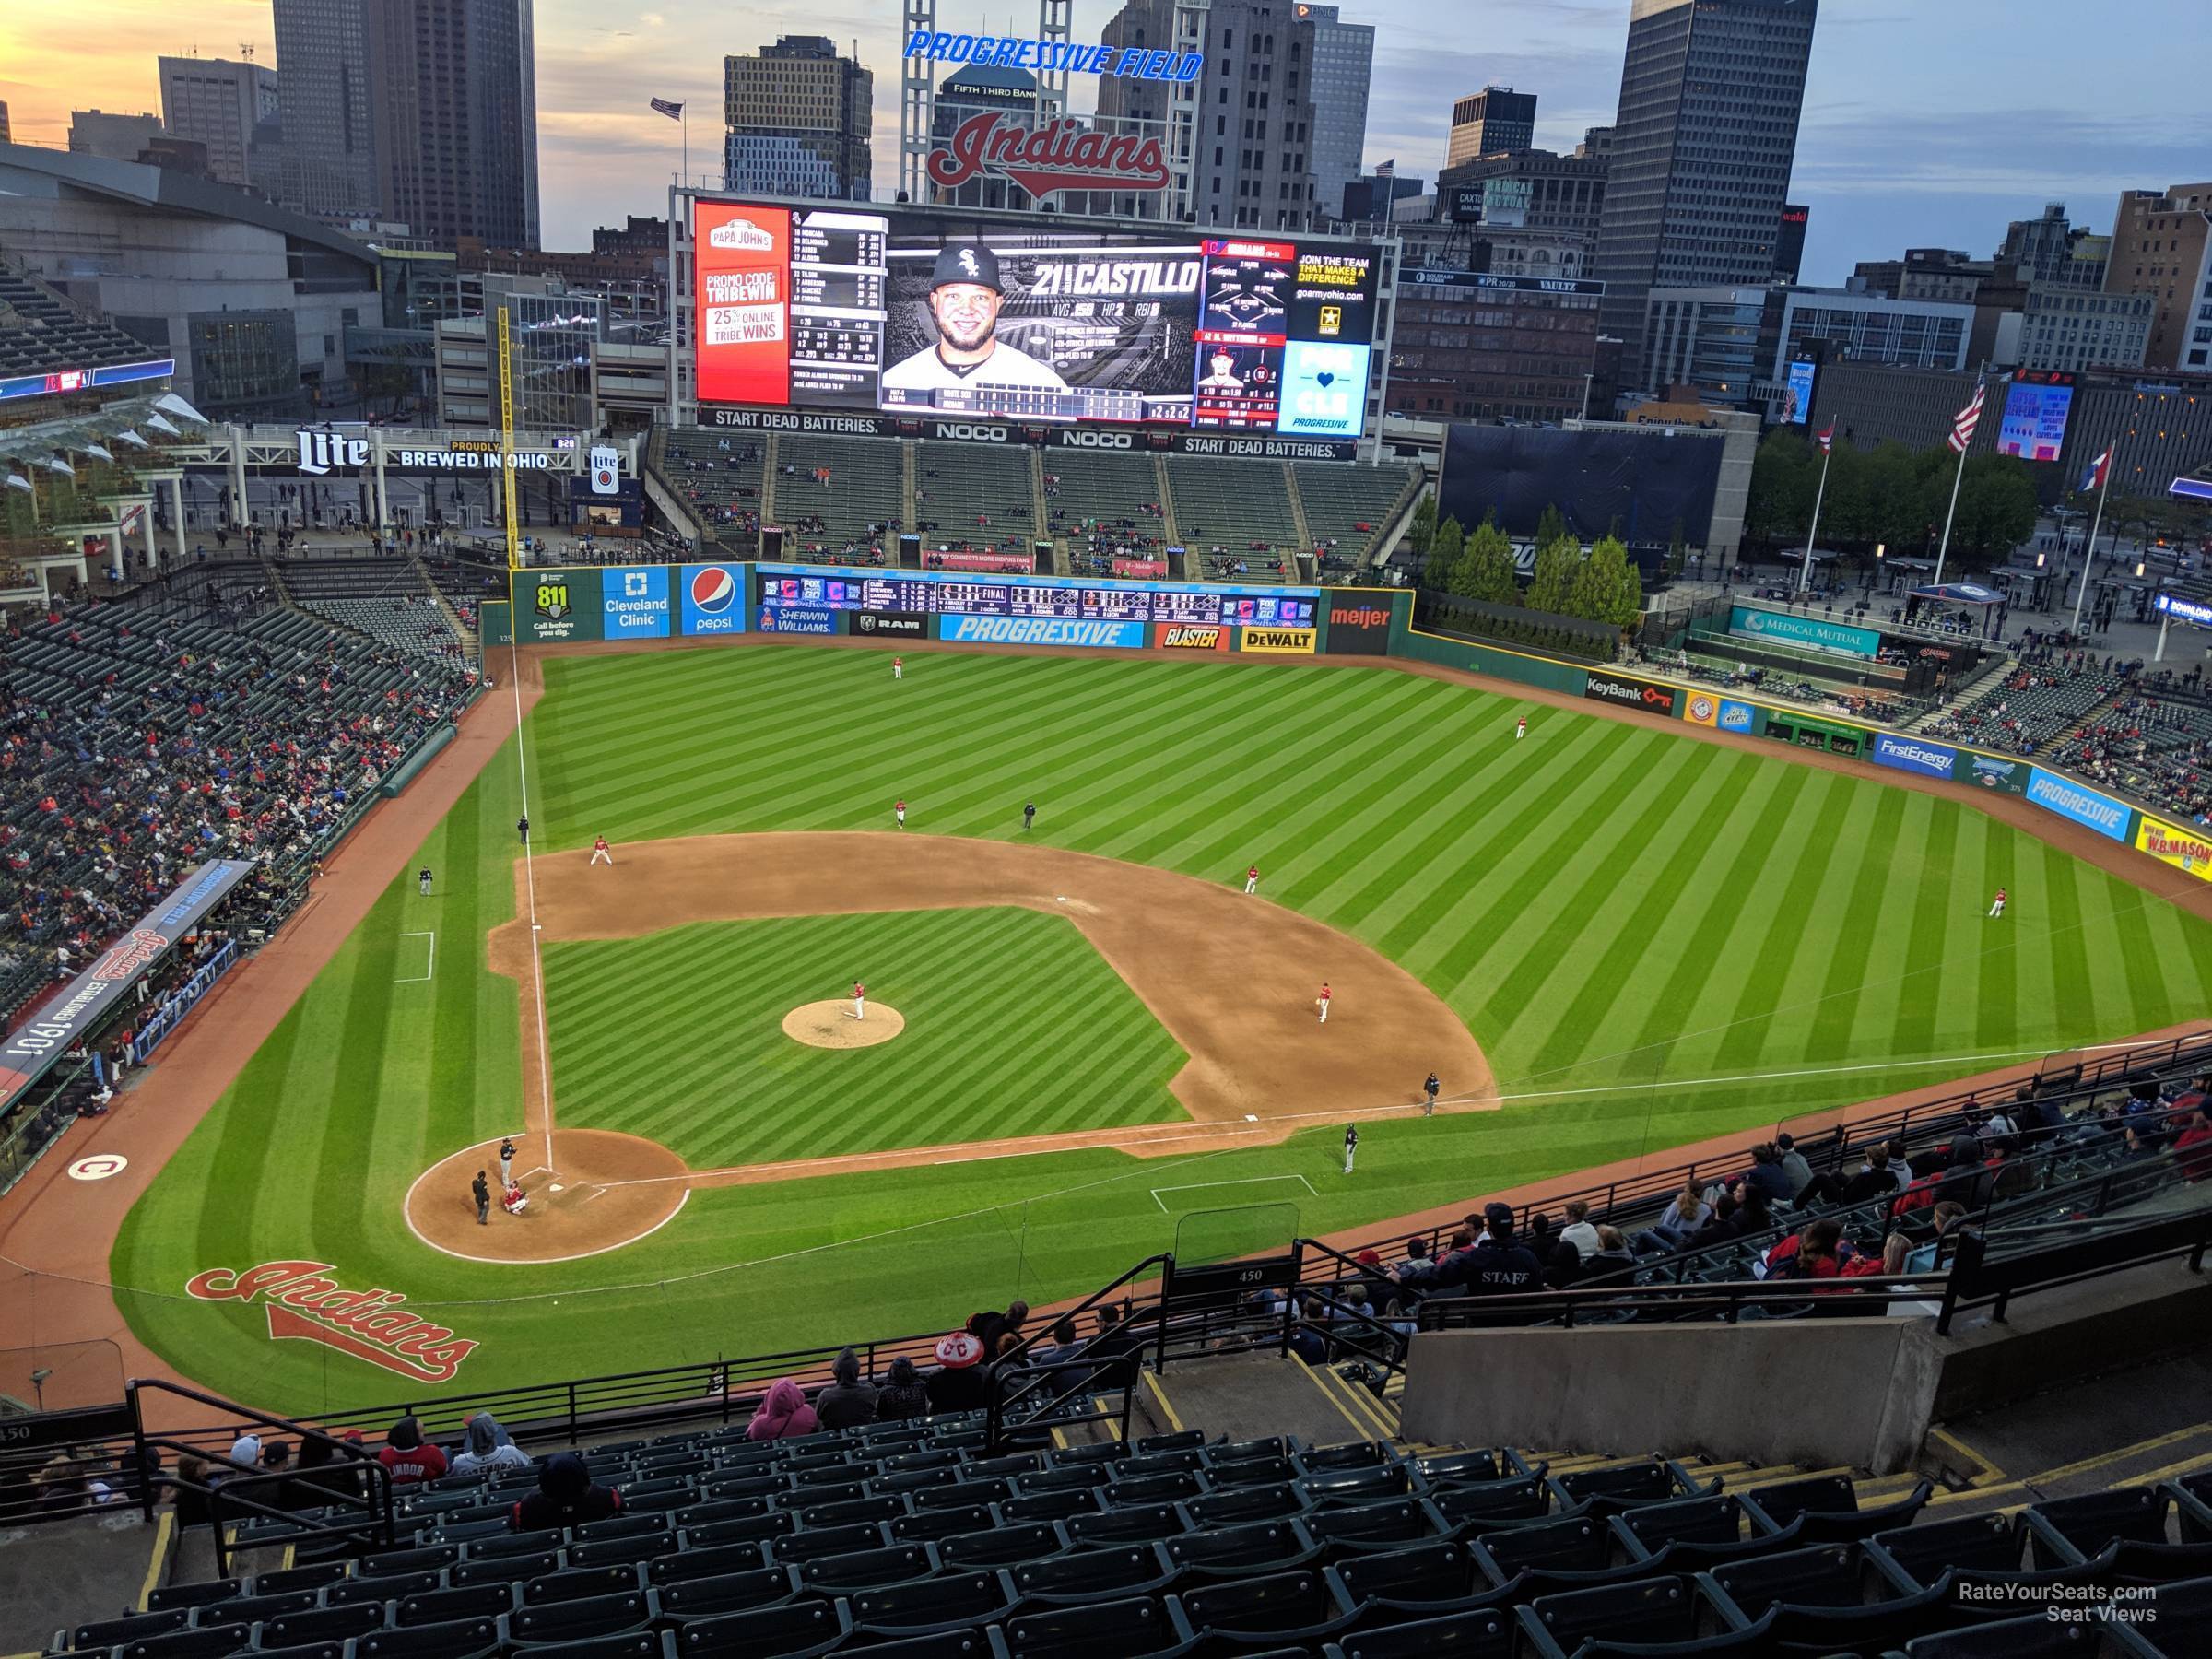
column 831, row 1024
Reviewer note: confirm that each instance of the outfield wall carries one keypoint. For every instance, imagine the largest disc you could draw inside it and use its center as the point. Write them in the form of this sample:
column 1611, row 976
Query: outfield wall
column 707, row 601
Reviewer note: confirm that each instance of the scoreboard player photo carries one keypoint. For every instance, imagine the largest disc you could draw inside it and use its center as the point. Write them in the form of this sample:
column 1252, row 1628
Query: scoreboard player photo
column 1040, row 327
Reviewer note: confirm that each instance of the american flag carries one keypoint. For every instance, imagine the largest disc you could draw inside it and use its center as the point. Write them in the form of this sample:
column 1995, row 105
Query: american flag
column 1827, row 437
column 662, row 106
column 1967, row 419
column 2094, row 479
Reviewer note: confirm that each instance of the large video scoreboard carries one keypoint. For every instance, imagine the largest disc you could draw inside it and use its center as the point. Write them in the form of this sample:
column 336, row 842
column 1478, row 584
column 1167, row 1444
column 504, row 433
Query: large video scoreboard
column 807, row 588
column 857, row 310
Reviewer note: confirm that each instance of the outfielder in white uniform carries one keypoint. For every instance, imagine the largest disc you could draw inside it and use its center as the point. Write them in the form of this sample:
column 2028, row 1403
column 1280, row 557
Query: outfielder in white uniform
column 899, row 810
column 1252, row 878
column 1324, row 1000
column 965, row 298
column 1520, row 729
column 600, row 851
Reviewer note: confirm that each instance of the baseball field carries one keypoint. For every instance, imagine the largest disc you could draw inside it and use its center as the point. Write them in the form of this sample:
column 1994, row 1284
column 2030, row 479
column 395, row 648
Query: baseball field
column 1606, row 938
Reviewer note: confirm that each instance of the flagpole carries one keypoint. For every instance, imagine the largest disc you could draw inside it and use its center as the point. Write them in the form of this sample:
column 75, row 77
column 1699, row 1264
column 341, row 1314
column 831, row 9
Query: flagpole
column 685, row 121
column 2089, row 554
column 1945, row 546
column 1804, row 570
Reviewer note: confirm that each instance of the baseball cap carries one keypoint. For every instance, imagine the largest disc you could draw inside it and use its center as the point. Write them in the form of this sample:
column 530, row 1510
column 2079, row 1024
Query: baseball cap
column 1498, row 1213
column 958, row 1351
column 967, row 262
column 1369, row 1258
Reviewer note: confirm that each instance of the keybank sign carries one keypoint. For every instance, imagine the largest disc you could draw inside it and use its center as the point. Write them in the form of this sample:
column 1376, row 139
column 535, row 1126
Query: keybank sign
column 1837, row 637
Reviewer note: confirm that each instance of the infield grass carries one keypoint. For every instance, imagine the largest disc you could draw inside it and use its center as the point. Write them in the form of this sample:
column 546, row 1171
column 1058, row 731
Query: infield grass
column 1656, row 939
column 678, row 1036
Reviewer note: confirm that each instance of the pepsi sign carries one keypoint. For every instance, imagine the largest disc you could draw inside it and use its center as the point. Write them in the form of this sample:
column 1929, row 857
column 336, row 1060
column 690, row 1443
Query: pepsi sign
column 713, row 599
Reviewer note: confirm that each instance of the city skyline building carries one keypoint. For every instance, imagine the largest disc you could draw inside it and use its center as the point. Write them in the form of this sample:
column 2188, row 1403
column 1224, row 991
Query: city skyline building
column 2161, row 246
column 220, row 102
column 1344, row 65
column 1704, row 144
column 1490, row 122
column 796, row 117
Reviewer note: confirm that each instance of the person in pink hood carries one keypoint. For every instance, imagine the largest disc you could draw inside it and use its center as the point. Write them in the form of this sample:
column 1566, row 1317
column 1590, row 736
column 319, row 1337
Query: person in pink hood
column 784, row 1415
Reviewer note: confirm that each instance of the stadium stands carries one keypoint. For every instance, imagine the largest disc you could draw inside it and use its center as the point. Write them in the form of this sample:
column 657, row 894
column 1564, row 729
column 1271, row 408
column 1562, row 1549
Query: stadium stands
column 720, row 474
column 973, row 496
column 1348, row 509
column 390, row 599
column 41, row 332
column 142, row 739
column 2028, row 708
column 834, row 496
column 1106, row 505
column 1235, row 518
column 2156, row 747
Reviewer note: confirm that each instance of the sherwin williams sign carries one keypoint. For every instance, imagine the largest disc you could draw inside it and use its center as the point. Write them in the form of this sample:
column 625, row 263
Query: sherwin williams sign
column 1909, row 754
column 2185, row 849
column 2086, row 807
column 1838, row 638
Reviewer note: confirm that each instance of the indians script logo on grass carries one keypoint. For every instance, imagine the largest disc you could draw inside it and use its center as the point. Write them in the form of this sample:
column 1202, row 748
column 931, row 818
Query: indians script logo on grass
column 369, row 1324
column 1060, row 155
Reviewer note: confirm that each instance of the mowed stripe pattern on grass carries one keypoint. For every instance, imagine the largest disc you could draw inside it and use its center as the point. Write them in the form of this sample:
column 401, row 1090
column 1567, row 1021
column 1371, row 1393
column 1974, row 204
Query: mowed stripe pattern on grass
column 1014, row 1026
column 1605, row 903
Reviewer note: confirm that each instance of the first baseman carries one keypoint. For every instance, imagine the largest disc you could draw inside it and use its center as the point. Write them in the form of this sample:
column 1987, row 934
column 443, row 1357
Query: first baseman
column 601, row 852
column 860, row 1000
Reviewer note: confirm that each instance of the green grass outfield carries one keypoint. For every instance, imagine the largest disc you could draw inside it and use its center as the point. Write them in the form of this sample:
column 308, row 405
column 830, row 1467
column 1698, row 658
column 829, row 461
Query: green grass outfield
column 1655, row 938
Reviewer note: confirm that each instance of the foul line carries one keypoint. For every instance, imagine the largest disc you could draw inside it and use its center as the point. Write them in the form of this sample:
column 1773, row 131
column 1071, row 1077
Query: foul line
column 537, row 970
column 430, row 969
column 1200, row 1186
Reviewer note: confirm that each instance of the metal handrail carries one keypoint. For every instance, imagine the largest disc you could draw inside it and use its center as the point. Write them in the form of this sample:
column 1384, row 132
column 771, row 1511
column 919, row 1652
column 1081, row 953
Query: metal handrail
column 1978, row 1279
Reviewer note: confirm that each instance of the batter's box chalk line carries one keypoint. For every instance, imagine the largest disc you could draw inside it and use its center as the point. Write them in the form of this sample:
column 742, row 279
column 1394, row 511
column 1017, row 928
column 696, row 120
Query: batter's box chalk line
column 1197, row 1186
column 429, row 963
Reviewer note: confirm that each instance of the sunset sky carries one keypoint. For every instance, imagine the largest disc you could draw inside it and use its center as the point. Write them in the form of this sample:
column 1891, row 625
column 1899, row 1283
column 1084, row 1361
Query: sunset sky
column 1926, row 123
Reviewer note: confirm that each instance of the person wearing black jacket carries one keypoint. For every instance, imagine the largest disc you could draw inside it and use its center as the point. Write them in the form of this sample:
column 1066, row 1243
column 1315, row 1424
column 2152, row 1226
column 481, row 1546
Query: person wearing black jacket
column 1499, row 1266
column 565, row 1496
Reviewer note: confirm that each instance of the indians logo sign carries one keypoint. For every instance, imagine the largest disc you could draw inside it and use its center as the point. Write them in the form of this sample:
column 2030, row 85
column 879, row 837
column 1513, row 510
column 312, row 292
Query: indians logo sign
column 369, row 1324
column 1060, row 155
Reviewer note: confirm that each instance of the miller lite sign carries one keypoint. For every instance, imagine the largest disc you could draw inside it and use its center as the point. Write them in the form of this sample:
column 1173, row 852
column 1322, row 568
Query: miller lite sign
column 1059, row 155
column 606, row 469
column 321, row 453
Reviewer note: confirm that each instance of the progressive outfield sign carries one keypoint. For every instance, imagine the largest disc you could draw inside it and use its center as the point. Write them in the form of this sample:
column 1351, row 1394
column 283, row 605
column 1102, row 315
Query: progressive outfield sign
column 2083, row 806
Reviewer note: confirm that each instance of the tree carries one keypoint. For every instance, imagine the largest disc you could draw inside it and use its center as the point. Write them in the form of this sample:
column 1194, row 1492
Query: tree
column 1486, row 570
column 1779, row 503
column 1551, row 527
column 1444, row 550
column 1557, row 564
column 1997, row 509
column 1677, row 549
column 1607, row 588
column 1422, row 530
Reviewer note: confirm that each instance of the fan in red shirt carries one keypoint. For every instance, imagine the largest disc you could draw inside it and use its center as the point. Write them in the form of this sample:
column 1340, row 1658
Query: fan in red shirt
column 408, row 1456
column 2193, row 1149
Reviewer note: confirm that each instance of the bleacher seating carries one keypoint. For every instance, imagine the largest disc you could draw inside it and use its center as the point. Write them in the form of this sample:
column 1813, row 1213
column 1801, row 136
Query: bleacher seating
column 844, row 518
column 719, row 475
column 905, row 1539
column 258, row 741
column 1106, row 505
column 2027, row 709
column 390, row 599
column 2154, row 745
column 973, row 496
column 1340, row 500
column 41, row 332
column 1234, row 517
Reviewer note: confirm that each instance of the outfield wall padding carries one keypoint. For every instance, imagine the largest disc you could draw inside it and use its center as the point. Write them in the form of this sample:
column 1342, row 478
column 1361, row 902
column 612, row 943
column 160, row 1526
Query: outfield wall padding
column 1419, row 647
column 405, row 772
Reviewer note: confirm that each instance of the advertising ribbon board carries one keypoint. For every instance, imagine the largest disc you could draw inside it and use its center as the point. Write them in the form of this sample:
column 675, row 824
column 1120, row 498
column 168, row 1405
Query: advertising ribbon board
column 1838, row 638
column 2187, row 849
column 2083, row 806
column 66, row 1021
column 1041, row 631
column 1623, row 692
column 1910, row 754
